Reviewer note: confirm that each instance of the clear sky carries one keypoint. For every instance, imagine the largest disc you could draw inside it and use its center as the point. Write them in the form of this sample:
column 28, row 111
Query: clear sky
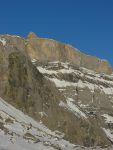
column 85, row 24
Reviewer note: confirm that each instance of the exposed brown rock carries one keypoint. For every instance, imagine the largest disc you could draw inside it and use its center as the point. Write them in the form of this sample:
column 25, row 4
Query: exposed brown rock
column 50, row 50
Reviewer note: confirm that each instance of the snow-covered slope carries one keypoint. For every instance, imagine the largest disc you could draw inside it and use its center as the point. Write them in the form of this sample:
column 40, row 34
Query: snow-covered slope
column 15, row 135
column 18, row 131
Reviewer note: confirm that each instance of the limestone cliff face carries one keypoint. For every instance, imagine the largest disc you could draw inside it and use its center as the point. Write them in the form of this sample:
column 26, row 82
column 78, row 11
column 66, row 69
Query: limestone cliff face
column 55, row 93
column 50, row 50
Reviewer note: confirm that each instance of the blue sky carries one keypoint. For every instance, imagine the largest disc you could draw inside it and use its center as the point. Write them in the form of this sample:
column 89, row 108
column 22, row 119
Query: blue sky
column 85, row 24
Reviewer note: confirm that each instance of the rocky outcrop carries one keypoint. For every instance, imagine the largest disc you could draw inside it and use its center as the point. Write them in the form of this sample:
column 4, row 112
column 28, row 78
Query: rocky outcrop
column 32, row 35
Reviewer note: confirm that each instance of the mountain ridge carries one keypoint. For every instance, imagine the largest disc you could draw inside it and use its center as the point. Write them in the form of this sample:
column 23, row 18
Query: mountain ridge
column 49, row 50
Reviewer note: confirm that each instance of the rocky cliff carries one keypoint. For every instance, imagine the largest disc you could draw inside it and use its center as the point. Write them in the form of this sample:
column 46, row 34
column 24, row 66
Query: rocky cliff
column 50, row 50
column 60, row 86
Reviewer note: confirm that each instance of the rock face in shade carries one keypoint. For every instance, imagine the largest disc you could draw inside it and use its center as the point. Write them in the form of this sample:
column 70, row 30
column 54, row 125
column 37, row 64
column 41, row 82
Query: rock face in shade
column 51, row 82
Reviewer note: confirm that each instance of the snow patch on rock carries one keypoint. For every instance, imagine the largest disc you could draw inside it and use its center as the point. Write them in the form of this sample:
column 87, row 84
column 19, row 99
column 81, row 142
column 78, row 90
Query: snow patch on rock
column 73, row 108
column 108, row 118
column 108, row 134
column 3, row 41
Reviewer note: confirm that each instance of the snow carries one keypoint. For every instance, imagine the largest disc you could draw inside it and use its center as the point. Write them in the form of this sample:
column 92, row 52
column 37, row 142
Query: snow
column 17, row 36
column 62, row 83
column 20, row 117
column 99, row 79
column 83, row 106
column 108, row 134
column 33, row 60
column 68, row 71
column 18, row 143
column 82, row 72
column 80, row 84
column 54, row 62
column 108, row 118
column 5, row 116
column 45, row 71
column 73, row 108
column 89, row 74
column 3, row 41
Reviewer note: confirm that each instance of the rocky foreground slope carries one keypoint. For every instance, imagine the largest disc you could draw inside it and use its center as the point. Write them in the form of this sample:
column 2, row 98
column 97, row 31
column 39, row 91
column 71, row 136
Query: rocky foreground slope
column 15, row 135
column 67, row 91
